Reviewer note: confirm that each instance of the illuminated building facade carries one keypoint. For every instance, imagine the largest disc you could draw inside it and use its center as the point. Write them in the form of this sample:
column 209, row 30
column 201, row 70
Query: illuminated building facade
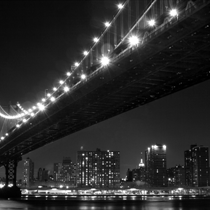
column 28, row 172
column 57, row 171
column 98, row 169
column 197, row 166
column 176, row 176
column 155, row 166
column 138, row 174
column 65, row 171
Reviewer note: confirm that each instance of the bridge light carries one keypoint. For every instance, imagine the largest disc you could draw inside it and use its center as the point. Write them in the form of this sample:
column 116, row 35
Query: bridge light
column 95, row 39
column 18, row 125
column 83, row 76
column 34, row 107
column 2, row 138
column 66, row 89
column 76, row 64
column 32, row 114
column 52, row 98
column 68, row 74
column 85, row 52
column 24, row 120
column 7, row 134
column 107, row 24
column 48, row 95
column 41, row 106
column 151, row 23
column 120, row 6
column 30, row 110
column 133, row 40
column 173, row 13
column 61, row 82
column 54, row 89
column 43, row 100
column 104, row 61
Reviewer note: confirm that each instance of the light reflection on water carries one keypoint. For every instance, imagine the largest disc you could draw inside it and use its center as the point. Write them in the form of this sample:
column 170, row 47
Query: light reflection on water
column 109, row 203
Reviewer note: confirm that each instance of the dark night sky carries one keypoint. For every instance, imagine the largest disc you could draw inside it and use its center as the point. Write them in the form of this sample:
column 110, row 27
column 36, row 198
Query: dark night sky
column 40, row 40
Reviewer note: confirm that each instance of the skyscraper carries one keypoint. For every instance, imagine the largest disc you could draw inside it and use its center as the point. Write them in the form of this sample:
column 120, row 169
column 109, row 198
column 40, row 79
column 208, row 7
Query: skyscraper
column 138, row 174
column 98, row 168
column 57, row 171
column 176, row 176
column 28, row 172
column 155, row 165
column 197, row 166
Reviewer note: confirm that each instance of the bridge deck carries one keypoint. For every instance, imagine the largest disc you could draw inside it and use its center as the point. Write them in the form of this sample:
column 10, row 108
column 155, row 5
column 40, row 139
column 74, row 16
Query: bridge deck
column 174, row 57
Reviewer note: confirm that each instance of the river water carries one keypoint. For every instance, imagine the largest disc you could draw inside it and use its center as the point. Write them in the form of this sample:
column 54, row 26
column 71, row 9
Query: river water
column 136, row 204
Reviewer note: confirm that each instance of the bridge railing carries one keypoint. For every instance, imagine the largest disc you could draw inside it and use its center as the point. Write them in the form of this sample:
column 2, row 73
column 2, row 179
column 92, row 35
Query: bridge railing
column 112, row 41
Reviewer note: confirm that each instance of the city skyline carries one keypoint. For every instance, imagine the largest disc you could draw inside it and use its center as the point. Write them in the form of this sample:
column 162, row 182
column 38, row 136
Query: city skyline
column 36, row 55
column 102, row 169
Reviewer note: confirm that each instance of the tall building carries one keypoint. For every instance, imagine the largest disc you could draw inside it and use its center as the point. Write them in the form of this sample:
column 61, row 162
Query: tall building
column 42, row 175
column 28, row 172
column 197, row 166
column 176, row 176
column 98, row 168
column 57, row 171
column 138, row 174
column 65, row 171
column 155, row 165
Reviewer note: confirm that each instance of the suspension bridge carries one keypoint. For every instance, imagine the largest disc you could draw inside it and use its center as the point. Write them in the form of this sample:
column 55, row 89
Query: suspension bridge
column 149, row 50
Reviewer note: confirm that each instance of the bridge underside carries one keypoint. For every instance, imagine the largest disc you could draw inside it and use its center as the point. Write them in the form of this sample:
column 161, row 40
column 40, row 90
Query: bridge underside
column 175, row 57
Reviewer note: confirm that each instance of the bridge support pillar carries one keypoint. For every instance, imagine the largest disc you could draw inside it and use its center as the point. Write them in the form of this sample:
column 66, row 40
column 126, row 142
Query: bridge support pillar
column 11, row 171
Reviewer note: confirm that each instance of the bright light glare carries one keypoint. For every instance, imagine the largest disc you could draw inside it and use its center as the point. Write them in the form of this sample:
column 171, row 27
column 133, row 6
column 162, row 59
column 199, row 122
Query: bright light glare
column 48, row 95
column 95, row 39
column 24, row 120
column 41, row 106
column 151, row 22
column 120, row 6
column 66, row 88
column 7, row 134
column 18, row 125
column 61, row 82
column 85, row 53
column 133, row 40
column 107, row 24
column 83, row 76
column 43, row 100
column 52, row 98
column 173, row 13
column 76, row 64
column 2, row 138
column 2, row 185
column 54, row 89
column 105, row 61
column 68, row 74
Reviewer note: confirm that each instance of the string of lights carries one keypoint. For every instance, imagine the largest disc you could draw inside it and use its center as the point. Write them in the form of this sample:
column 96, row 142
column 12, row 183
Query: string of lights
column 64, row 85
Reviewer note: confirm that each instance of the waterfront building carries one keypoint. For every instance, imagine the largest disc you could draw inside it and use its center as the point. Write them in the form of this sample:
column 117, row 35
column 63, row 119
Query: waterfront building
column 197, row 166
column 57, row 171
column 176, row 176
column 138, row 174
column 28, row 172
column 65, row 171
column 43, row 175
column 98, row 168
column 155, row 166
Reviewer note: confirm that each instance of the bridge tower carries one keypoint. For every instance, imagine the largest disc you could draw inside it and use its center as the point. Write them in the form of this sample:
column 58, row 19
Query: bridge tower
column 9, row 164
